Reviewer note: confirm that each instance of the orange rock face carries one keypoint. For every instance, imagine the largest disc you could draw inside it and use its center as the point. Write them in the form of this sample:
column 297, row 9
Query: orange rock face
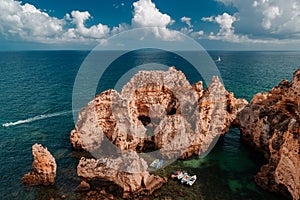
column 161, row 110
column 155, row 111
column 128, row 171
column 44, row 168
column 271, row 124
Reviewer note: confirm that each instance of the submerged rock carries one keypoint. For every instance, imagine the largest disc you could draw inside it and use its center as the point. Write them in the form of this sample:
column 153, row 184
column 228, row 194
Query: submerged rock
column 83, row 186
column 271, row 123
column 44, row 167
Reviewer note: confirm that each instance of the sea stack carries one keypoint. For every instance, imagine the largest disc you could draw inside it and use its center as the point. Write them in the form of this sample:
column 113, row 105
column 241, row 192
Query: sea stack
column 44, row 167
column 147, row 108
column 271, row 123
column 155, row 111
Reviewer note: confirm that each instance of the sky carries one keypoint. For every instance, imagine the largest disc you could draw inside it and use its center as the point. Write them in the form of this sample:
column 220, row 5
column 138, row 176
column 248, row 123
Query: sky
column 215, row 24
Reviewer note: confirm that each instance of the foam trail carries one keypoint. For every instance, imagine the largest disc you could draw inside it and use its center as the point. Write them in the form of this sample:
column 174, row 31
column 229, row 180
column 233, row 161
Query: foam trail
column 36, row 118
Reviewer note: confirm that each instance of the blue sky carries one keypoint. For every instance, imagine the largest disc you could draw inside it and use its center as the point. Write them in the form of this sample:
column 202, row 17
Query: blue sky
column 215, row 24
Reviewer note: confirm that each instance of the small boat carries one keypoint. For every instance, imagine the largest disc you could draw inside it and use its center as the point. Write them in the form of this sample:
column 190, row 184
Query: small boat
column 189, row 180
column 154, row 163
column 180, row 176
column 157, row 164
column 185, row 178
column 192, row 180
column 219, row 59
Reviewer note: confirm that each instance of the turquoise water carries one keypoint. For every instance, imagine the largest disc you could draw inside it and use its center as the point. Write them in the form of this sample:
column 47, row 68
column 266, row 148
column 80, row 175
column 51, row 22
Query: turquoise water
column 37, row 87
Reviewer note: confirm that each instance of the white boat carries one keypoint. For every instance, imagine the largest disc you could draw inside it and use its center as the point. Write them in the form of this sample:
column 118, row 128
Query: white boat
column 181, row 175
column 219, row 59
column 157, row 164
column 192, row 180
column 184, row 177
column 154, row 163
column 189, row 180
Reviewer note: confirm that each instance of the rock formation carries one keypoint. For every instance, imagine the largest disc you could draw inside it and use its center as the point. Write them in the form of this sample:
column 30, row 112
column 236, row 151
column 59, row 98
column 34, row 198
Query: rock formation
column 159, row 109
column 44, row 168
column 271, row 123
column 128, row 171
column 156, row 110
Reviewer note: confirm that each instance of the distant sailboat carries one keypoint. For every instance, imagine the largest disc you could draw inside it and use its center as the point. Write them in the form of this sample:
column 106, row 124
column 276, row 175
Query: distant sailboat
column 219, row 59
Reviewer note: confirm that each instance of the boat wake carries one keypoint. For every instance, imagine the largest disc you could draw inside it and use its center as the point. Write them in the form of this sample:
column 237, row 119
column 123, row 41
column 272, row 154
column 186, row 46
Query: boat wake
column 36, row 118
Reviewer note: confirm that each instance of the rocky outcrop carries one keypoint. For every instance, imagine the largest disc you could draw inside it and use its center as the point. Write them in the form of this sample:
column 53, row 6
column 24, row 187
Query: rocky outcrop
column 44, row 168
column 158, row 110
column 271, row 123
column 83, row 186
column 128, row 171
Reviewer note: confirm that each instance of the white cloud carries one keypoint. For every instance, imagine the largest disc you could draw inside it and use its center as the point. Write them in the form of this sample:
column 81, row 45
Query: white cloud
column 26, row 22
column 277, row 19
column 187, row 20
column 146, row 14
column 198, row 34
column 120, row 28
column 96, row 31
column 189, row 29
column 186, row 30
column 226, row 31
column 269, row 15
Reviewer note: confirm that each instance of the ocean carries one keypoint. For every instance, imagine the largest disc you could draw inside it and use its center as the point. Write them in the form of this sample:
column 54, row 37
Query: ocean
column 36, row 107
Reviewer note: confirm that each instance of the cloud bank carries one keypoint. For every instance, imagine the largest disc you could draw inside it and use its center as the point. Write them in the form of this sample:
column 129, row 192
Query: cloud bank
column 257, row 21
column 269, row 19
column 26, row 22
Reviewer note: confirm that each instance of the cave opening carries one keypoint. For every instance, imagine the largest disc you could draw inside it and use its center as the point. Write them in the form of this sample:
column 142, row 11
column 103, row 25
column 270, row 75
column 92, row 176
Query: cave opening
column 172, row 111
column 144, row 119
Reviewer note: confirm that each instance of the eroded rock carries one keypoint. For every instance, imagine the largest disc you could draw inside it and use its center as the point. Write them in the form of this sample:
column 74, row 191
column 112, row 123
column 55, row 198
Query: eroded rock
column 128, row 171
column 160, row 110
column 271, row 124
column 44, row 167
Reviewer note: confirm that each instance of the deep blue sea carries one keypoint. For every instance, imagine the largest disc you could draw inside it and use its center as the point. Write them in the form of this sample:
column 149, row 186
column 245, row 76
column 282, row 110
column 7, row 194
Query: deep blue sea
column 36, row 101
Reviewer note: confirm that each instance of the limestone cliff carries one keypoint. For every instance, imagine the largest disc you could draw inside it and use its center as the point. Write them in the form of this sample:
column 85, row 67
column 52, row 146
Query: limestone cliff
column 44, row 167
column 271, row 123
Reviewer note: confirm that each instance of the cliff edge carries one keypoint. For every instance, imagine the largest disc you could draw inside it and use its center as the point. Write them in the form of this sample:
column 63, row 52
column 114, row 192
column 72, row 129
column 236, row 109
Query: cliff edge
column 271, row 124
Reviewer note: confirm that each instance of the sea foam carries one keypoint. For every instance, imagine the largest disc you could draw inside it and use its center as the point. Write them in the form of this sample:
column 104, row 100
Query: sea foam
column 36, row 118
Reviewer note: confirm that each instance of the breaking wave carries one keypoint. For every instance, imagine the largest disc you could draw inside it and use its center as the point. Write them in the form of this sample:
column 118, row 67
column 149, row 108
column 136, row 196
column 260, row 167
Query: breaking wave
column 36, row 118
